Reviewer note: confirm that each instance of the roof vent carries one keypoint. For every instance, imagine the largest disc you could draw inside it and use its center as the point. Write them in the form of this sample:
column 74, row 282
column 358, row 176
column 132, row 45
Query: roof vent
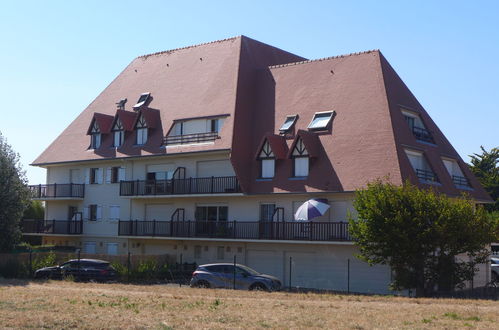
column 144, row 97
column 121, row 104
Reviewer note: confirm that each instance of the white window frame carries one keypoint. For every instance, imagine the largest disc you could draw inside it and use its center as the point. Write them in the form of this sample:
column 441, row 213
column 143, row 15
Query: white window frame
column 314, row 123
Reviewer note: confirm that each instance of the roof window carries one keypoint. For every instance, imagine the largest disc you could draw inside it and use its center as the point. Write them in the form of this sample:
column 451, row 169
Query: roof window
column 288, row 124
column 321, row 120
column 142, row 100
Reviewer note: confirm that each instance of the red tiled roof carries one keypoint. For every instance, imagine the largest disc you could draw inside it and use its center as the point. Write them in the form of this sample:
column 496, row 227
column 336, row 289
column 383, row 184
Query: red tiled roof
column 104, row 122
column 151, row 116
column 310, row 140
column 277, row 144
column 127, row 119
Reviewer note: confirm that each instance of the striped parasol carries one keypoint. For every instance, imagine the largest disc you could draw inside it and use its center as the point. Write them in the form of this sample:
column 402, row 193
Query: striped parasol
column 312, row 208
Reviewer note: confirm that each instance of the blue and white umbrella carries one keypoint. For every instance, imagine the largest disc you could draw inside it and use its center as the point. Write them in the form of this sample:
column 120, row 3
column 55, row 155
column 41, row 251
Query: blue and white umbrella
column 312, row 208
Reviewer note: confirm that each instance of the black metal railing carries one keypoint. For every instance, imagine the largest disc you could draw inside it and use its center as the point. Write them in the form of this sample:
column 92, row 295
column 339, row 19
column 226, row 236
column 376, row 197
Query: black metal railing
column 422, row 134
column 211, row 185
column 70, row 227
column 460, row 181
column 57, row 190
column 303, row 231
column 427, row 175
column 190, row 138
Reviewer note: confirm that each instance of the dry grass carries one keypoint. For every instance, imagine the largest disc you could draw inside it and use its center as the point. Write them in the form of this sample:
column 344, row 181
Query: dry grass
column 66, row 305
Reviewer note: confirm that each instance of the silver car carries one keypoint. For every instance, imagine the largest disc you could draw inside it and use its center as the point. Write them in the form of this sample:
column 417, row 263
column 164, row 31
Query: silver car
column 223, row 275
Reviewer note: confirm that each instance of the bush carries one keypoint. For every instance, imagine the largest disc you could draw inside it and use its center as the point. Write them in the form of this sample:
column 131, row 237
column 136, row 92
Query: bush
column 14, row 268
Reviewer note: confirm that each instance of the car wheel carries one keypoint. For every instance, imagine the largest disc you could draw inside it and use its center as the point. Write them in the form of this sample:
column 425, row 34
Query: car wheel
column 203, row 284
column 258, row 287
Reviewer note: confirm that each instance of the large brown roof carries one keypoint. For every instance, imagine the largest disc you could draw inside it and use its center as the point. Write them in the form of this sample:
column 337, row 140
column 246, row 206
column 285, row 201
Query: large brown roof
column 256, row 86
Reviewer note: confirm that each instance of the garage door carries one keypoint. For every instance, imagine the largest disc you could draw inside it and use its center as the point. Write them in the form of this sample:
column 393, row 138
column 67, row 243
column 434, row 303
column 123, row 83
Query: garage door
column 159, row 212
column 214, row 168
column 89, row 247
column 266, row 261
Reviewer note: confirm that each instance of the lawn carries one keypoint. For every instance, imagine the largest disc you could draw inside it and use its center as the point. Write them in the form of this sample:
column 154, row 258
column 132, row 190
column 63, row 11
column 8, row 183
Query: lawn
column 66, row 305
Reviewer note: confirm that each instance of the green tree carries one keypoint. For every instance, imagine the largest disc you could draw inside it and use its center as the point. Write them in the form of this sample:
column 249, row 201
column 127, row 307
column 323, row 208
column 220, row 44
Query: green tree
column 35, row 210
column 420, row 234
column 485, row 167
column 14, row 196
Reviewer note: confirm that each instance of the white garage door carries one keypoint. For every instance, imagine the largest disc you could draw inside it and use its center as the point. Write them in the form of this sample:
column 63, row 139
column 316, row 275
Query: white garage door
column 214, row 168
column 112, row 248
column 159, row 212
column 266, row 261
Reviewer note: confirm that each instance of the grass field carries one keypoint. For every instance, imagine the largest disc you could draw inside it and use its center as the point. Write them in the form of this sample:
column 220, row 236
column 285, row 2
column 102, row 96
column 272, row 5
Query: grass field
column 66, row 305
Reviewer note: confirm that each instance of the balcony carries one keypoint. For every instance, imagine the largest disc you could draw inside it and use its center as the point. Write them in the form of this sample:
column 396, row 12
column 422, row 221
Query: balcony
column 422, row 134
column 65, row 227
column 427, row 176
column 190, row 138
column 254, row 230
column 460, row 181
column 62, row 191
column 211, row 185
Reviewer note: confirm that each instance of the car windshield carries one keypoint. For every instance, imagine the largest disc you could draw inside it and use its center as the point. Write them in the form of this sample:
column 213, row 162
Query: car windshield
column 249, row 270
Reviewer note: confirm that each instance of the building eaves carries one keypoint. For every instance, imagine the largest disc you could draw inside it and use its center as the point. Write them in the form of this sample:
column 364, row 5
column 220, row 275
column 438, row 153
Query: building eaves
column 323, row 59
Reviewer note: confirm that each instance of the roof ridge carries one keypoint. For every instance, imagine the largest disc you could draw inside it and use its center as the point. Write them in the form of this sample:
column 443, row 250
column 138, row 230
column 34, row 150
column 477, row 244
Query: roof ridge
column 187, row 47
column 324, row 58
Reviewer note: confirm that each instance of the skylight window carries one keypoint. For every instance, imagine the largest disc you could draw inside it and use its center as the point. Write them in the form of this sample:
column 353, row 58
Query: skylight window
column 321, row 120
column 288, row 124
column 142, row 100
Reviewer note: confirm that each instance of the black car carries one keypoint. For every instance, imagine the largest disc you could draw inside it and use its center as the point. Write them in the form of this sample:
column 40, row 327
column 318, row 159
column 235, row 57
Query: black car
column 80, row 270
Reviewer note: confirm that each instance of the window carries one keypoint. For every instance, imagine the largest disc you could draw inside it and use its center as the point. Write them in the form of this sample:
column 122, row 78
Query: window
column 92, row 212
column 421, row 167
column 267, row 212
column 95, row 136
column 417, row 127
column 94, row 175
column 144, row 97
column 288, row 124
column 300, row 159
column 141, row 131
column 267, row 161
column 114, row 212
column 455, row 173
column 212, row 213
column 321, row 120
column 215, row 125
column 119, row 138
column 115, row 174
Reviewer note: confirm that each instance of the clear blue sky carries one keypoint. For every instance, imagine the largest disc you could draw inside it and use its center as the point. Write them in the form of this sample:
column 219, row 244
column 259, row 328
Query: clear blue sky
column 57, row 56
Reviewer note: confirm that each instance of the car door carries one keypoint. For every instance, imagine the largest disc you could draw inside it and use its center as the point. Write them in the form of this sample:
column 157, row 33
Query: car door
column 218, row 277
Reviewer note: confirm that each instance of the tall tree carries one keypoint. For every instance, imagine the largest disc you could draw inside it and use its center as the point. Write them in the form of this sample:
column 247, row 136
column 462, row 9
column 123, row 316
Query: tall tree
column 485, row 166
column 14, row 196
column 35, row 210
column 420, row 234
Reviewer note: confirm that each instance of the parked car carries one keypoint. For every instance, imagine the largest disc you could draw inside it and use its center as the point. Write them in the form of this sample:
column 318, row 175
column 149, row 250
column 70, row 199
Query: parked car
column 80, row 270
column 494, row 268
column 221, row 275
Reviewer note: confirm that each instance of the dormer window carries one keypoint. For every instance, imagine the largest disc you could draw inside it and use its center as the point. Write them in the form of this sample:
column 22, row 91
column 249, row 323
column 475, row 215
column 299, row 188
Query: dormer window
column 289, row 122
column 420, row 165
column 195, row 130
column 95, row 136
column 141, row 128
column 144, row 97
column 267, row 161
column 417, row 127
column 119, row 134
column 321, row 121
column 300, row 159
column 458, row 178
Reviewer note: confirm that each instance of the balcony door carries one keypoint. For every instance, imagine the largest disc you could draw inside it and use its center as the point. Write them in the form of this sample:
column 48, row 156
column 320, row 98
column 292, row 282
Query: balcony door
column 212, row 220
column 267, row 211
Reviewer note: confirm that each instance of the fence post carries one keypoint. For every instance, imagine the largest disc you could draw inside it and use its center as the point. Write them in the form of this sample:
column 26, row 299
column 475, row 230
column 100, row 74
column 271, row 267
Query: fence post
column 154, row 227
column 348, row 275
column 234, row 274
column 290, row 267
column 79, row 252
column 128, row 268
column 234, row 231
column 30, row 262
column 55, row 189
column 212, row 184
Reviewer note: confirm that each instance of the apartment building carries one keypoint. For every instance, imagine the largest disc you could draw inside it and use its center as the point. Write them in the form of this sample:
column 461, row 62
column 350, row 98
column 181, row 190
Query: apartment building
column 206, row 152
